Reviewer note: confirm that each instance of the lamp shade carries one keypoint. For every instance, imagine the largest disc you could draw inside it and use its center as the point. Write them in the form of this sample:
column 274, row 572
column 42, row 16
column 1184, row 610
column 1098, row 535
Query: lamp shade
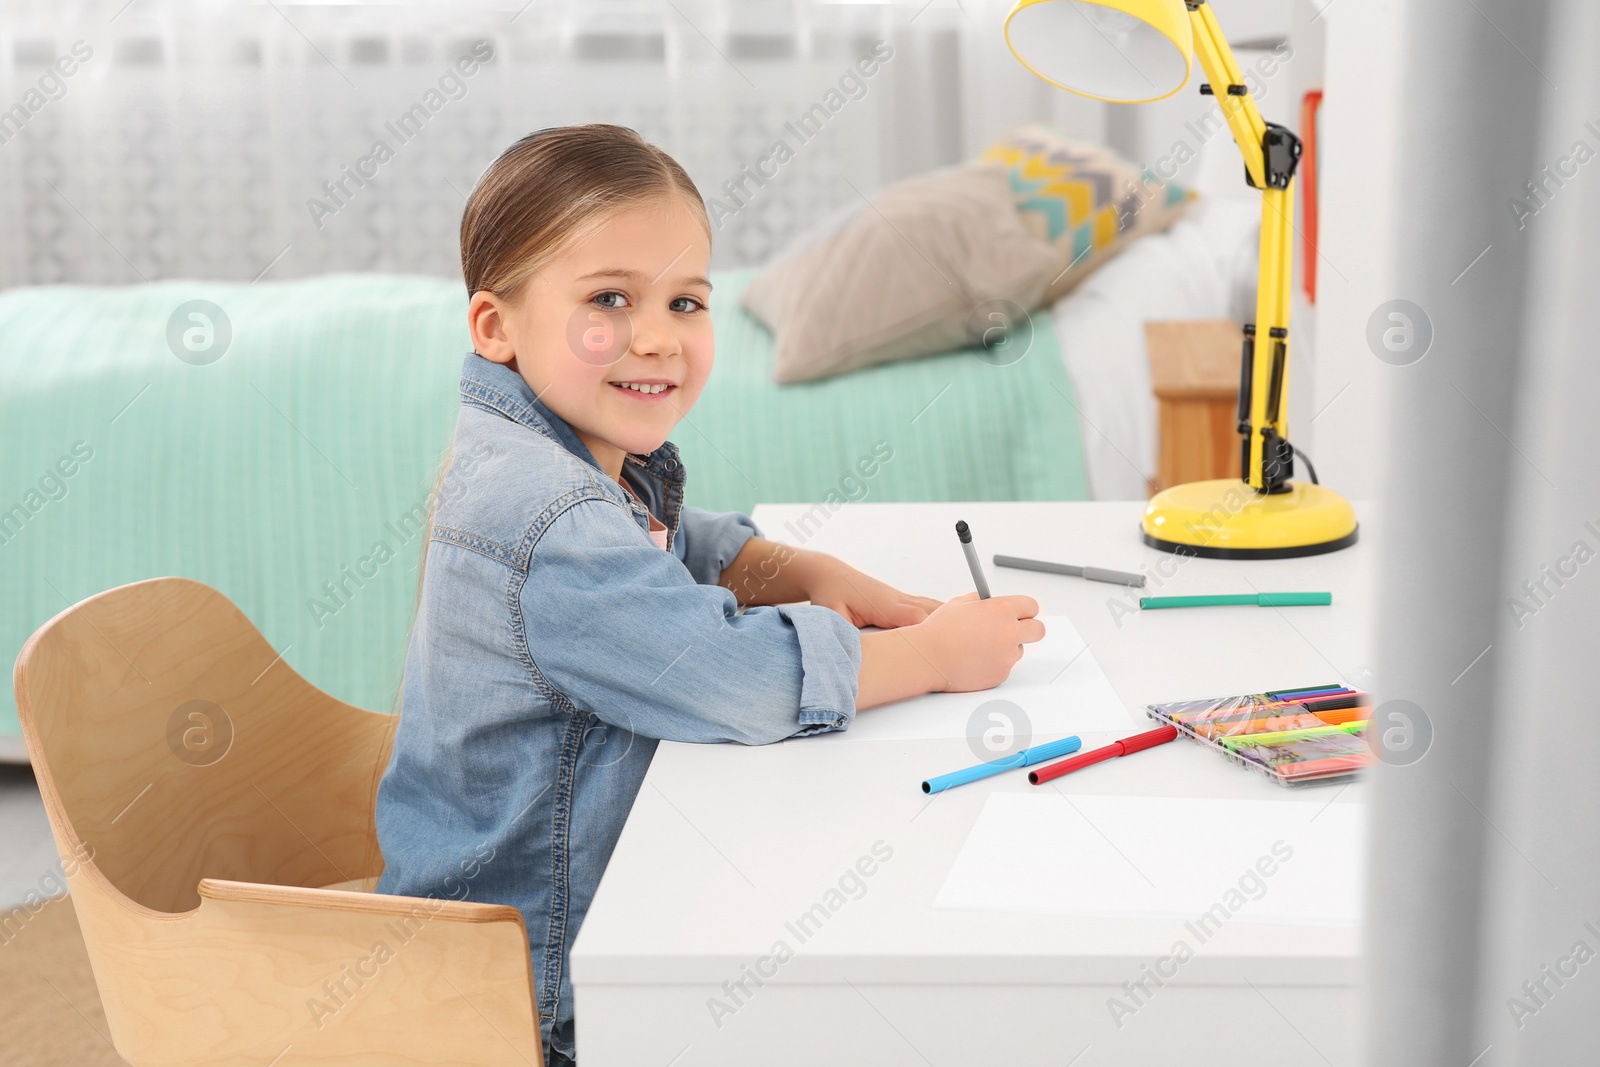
column 1122, row 51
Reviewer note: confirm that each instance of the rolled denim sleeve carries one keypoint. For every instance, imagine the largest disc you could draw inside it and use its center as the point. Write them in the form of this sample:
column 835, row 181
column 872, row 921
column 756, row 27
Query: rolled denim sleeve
column 711, row 539
column 622, row 630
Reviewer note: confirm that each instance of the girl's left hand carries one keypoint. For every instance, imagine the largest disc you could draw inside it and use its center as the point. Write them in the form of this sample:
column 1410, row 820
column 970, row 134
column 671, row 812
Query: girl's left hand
column 863, row 599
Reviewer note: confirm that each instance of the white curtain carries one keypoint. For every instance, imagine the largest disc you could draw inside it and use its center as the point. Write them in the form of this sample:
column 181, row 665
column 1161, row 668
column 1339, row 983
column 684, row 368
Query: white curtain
column 1484, row 938
column 195, row 139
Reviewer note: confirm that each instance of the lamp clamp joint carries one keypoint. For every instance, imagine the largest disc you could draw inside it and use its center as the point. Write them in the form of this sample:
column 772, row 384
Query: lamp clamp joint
column 1233, row 90
column 1280, row 153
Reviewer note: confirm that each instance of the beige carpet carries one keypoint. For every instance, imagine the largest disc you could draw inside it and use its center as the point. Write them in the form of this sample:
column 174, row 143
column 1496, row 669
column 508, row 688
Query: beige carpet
column 49, row 1011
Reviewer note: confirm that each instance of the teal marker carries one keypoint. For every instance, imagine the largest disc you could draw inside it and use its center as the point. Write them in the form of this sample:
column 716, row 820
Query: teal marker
column 1260, row 600
column 1026, row 757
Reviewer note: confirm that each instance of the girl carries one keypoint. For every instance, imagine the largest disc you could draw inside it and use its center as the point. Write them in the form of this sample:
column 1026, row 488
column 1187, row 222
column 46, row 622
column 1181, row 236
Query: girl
column 573, row 609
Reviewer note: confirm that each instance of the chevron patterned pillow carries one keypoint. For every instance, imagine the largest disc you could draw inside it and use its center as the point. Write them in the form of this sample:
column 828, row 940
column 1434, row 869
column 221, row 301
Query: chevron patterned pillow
column 1082, row 198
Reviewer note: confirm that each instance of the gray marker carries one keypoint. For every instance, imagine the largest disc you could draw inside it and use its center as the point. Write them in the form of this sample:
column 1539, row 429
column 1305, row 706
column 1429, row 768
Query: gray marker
column 1094, row 574
column 972, row 560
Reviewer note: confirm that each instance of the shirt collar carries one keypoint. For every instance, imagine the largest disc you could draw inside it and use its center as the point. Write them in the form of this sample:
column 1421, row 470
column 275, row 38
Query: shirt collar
column 507, row 392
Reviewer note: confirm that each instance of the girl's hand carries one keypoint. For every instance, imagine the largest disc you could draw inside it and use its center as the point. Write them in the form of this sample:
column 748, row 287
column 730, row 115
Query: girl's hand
column 973, row 644
column 965, row 645
column 861, row 598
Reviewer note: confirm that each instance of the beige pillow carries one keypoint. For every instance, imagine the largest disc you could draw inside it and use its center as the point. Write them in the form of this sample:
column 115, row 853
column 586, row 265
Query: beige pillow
column 904, row 277
column 1083, row 199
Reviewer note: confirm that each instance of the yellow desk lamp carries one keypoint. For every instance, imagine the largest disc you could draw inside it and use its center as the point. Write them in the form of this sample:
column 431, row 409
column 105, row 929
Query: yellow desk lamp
column 1135, row 51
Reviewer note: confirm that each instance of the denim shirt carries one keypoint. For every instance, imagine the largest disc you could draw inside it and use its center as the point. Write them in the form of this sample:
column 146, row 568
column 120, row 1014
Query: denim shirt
column 554, row 644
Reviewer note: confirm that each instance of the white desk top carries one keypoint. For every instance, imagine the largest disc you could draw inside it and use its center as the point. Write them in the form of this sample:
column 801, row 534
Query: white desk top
column 726, row 844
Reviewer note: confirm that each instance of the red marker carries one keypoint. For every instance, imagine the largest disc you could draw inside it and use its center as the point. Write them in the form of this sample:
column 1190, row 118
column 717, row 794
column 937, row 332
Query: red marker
column 1126, row 747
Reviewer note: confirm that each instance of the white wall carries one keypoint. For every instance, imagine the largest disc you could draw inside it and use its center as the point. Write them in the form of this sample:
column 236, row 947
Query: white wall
column 1359, row 201
column 1309, row 32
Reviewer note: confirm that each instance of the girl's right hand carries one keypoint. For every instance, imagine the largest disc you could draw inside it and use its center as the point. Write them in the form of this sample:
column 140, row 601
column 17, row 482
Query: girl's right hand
column 973, row 644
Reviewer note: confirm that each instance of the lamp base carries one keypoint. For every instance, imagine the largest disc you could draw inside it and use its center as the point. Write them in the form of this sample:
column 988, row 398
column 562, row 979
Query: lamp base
column 1226, row 519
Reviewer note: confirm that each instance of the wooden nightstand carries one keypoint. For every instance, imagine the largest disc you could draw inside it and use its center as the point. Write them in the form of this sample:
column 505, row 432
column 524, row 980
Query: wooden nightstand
column 1194, row 373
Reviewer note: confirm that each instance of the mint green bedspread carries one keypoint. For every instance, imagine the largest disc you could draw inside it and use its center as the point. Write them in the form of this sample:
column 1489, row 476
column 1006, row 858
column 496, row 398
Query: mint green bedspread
column 282, row 467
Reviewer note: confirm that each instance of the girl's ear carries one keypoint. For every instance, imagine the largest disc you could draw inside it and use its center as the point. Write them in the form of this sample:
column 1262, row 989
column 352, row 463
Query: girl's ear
column 486, row 321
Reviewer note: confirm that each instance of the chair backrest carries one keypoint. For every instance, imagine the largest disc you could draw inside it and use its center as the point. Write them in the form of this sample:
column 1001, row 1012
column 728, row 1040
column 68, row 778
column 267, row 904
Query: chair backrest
column 206, row 801
column 172, row 742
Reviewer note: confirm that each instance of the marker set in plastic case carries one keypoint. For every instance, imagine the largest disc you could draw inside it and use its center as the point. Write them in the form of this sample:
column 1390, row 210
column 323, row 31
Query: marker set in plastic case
column 1293, row 736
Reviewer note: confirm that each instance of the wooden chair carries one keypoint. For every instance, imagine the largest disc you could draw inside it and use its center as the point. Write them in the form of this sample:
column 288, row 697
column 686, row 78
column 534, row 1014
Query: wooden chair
column 214, row 814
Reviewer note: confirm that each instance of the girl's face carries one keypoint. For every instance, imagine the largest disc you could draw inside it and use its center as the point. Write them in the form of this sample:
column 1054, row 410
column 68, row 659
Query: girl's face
column 613, row 334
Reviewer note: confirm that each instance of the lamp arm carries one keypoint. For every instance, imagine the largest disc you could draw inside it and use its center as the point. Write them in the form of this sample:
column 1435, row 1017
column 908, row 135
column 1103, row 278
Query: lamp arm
column 1271, row 153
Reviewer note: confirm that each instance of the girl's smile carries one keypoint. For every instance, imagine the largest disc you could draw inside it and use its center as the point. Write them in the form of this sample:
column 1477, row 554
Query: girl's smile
column 649, row 390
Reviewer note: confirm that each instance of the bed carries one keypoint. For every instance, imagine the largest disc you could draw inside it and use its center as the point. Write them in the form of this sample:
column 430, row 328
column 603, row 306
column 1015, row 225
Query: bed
column 291, row 472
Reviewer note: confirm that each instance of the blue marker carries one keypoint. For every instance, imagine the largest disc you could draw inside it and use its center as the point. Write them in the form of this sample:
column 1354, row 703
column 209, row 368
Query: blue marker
column 1025, row 758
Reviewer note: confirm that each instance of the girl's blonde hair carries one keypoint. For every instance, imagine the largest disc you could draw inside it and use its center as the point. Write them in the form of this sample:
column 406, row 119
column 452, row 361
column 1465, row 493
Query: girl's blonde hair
column 546, row 191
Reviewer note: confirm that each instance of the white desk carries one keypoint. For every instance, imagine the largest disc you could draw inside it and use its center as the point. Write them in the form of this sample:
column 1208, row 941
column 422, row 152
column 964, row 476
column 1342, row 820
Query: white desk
column 728, row 844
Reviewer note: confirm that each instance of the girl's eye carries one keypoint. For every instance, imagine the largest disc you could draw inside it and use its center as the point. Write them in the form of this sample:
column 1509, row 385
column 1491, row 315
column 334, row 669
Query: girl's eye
column 691, row 302
column 611, row 300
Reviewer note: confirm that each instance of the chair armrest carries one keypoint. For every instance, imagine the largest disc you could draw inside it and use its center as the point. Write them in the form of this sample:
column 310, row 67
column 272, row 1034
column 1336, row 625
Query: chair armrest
column 348, row 977
column 470, row 911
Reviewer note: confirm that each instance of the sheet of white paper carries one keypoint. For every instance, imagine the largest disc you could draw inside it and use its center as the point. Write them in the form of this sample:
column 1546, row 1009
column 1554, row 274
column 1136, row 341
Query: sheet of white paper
column 1058, row 685
column 1054, row 854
